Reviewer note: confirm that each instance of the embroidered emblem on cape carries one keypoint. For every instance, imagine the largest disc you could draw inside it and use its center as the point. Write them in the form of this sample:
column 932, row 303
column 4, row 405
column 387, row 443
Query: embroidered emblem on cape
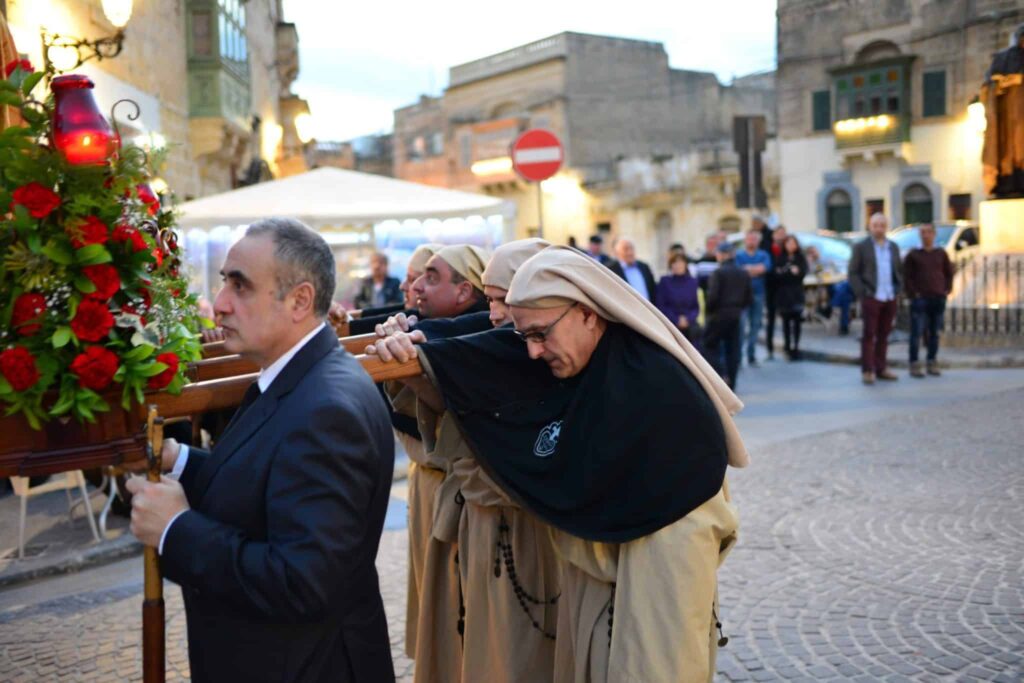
column 547, row 440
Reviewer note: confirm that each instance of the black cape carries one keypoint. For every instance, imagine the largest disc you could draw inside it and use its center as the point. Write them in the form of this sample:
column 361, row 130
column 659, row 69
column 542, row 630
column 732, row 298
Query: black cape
column 473, row 320
column 630, row 445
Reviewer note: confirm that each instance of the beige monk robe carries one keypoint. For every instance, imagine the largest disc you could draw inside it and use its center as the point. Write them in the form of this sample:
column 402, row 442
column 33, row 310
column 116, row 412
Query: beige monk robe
column 663, row 626
column 432, row 598
column 504, row 642
column 665, row 583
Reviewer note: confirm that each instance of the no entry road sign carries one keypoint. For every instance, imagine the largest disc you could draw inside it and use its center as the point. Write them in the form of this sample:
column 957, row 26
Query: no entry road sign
column 537, row 155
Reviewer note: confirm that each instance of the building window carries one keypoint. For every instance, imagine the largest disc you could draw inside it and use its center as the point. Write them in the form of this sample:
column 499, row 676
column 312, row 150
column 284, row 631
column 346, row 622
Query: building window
column 960, row 207
column 436, row 144
column 233, row 44
column 917, row 204
column 822, row 108
column 933, row 91
column 839, row 211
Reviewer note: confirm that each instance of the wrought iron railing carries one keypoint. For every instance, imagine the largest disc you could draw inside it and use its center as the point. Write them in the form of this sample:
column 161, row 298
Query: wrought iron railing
column 988, row 296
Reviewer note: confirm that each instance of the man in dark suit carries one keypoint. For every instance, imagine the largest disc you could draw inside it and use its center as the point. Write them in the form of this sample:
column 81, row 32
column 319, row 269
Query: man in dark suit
column 636, row 273
column 272, row 536
column 729, row 293
column 379, row 289
column 876, row 277
column 595, row 250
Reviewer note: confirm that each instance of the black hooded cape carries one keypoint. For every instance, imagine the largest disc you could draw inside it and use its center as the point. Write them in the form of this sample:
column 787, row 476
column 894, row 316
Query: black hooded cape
column 628, row 446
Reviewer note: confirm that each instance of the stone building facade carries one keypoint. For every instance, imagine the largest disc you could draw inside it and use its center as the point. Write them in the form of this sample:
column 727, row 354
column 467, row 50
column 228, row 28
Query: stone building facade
column 201, row 72
column 873, row 102
column 621, row 113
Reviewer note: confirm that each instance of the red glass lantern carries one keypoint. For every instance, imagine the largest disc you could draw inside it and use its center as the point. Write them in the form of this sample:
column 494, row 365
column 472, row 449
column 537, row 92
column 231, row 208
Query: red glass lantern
column 80, row 132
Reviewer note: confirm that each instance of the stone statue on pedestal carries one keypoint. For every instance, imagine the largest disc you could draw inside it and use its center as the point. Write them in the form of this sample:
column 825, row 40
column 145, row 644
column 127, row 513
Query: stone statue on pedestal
column 1003, row 97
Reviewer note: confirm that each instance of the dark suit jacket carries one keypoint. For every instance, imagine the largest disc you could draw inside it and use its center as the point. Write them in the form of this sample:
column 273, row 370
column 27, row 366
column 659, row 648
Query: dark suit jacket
column 276, row 556
column 729, row 292
column 862, row 272
column 391, row 291
column 645, row 270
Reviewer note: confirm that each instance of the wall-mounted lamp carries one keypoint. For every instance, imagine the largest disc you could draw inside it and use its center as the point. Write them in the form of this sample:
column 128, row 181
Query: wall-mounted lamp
column 65, row 53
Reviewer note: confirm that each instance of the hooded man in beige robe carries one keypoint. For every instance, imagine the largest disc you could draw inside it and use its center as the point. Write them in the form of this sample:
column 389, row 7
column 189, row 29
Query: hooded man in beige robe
column 643, row 609
column 450, row 286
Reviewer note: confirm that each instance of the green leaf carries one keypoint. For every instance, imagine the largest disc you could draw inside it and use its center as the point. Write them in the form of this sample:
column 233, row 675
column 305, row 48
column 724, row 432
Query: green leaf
column 91, row 254
column 31, row 81
column 5, row 386
column 84, row 284
column 7, row 85
column 35, row 245
column 58, row 253
column 140, row 352
column 152, row 370
column 62, row 336
column 10, row 98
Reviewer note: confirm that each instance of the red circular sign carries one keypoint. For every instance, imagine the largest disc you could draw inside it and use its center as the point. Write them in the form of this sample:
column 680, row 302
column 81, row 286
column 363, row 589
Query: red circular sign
column 537, row 155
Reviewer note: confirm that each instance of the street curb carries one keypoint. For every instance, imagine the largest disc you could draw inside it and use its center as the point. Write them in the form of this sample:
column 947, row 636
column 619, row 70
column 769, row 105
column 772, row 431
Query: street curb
column 93, row 556
column 986, row 364
column 107, row 552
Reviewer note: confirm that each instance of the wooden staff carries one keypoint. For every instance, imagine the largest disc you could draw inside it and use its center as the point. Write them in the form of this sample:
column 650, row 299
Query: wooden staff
column 153, row 619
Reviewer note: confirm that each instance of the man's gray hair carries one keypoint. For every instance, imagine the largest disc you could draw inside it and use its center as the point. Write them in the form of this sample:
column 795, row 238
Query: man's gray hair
column 302, row 256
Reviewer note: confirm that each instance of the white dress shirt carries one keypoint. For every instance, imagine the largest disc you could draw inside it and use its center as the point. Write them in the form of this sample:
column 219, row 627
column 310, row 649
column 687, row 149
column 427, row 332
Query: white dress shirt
column 884, row 291
column 267, row 376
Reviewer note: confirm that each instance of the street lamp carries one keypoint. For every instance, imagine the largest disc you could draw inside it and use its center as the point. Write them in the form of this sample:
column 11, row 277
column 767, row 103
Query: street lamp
column 64, row 53
column 80, row 132
column 976, row 116
column 304, row 127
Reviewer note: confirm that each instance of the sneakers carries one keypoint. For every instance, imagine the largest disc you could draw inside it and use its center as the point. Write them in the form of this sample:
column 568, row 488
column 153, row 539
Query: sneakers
column 888, row 376
column 933, row 368
column 917, row 370
column 867, row 377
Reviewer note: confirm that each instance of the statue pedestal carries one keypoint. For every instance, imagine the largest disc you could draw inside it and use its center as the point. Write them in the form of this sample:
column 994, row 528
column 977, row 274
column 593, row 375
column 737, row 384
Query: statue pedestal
column 1002, row 226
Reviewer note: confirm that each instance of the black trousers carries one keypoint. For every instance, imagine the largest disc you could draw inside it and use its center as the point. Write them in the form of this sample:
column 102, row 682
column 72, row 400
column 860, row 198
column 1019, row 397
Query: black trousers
column 791, row 322
column 722, row 341
column 769, row 319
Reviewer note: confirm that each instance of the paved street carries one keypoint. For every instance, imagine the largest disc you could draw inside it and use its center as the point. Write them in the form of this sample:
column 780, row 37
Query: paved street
column 882, row 539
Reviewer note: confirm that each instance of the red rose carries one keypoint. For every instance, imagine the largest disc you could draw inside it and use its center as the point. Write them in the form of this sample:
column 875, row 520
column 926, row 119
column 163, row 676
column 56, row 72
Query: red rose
column 106, row 279
column 158, row 254
column 28, row 313
column 25, row 65
column 148, row 197
column 126, row 233
column 39, row 200
column 95, row 367
column 167, row 376
column 18, row 366
column 90, row 230
column 92, row 321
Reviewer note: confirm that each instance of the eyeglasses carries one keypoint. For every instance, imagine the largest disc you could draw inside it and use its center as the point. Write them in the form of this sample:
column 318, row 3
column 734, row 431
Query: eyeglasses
column 540, row 336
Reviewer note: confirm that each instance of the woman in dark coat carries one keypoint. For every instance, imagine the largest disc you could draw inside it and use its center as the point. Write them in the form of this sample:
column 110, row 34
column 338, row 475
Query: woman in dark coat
column 676, row 297
column 789, row 271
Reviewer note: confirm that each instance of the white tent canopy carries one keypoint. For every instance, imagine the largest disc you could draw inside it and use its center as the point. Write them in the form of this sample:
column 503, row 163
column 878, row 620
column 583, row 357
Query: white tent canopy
column 332, row 197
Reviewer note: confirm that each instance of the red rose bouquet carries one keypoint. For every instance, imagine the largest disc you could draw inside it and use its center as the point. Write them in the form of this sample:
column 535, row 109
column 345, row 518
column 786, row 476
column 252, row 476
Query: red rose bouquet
column 90, row 274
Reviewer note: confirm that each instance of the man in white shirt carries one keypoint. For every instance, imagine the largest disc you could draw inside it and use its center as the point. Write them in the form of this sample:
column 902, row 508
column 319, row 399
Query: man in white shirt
column 273, row 534
column 876, row 276
column 637, row 273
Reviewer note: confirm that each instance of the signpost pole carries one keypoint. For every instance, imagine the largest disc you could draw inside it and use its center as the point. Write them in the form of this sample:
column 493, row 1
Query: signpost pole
column 540, row 211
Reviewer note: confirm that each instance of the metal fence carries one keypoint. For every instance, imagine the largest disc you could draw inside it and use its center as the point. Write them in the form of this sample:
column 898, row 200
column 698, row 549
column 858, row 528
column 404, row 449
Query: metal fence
column 987, row 300
column 988, row 296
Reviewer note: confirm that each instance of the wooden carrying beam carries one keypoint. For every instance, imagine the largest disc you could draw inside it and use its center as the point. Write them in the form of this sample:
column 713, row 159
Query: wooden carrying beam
column 119, row 436
column 355, row 345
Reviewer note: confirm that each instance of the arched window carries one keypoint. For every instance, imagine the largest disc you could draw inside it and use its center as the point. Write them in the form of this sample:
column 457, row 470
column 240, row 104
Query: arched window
column 917, row 204
column 839, row 211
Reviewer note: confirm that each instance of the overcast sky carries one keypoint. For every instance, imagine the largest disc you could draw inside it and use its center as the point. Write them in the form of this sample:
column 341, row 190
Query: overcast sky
column 361, row 60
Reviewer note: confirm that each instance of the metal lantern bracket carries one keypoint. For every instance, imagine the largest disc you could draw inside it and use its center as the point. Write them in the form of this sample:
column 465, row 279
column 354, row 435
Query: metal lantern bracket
column 86, row 50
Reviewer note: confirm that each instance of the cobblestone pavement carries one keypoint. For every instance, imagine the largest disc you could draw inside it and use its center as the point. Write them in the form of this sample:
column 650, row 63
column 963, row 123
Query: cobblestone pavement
column 893, row 551
column 890, row 551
